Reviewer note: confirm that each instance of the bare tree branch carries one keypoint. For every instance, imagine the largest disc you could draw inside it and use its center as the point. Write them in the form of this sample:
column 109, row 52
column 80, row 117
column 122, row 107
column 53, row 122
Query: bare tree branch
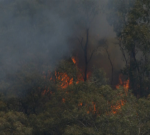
column 122, row 50
column 81, row 42
column 93, row 53
column 112, row 69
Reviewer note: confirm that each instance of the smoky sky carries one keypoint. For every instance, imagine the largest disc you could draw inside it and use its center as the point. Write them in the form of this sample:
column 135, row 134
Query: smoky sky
column 37, row 31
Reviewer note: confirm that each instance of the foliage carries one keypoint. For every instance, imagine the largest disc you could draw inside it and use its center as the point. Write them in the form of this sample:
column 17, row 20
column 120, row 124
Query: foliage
column 34, row 102
column 14, row 123
column 90, row 107
column 131, row 23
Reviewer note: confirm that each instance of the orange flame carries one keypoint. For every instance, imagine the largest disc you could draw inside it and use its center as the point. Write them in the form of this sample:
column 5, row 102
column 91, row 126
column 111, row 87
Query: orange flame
column 125, row 85
column 94, row 105
column 63, row 100
column 118, row 106
column 65, row 81
column 80, row 104
column 74, row 60
column 64, row 78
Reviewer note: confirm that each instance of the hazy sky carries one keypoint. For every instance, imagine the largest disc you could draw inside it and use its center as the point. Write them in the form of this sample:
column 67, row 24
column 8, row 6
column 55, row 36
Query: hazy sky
column 33, row 31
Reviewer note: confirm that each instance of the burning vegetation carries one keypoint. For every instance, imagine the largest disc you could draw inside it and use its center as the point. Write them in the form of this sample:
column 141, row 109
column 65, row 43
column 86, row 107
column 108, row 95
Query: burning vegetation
column 65, row 81
column 74, row 67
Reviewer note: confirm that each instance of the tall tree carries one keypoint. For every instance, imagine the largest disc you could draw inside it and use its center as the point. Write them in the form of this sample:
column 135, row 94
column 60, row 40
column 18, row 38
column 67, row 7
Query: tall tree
column 131, row 23
column 88, row 10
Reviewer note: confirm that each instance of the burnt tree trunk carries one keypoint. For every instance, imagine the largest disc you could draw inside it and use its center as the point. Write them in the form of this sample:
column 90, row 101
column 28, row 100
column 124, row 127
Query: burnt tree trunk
column 86, row 55
column 112, row 69
column 135, row 83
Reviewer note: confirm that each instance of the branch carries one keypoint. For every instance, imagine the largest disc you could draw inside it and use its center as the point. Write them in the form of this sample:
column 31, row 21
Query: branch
column 93, row 53
column 123, row 53
column 112, row 69
column 81, row 42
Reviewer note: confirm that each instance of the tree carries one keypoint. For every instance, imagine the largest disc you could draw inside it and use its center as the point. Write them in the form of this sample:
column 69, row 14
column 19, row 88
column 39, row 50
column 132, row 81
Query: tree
column 88, row 108
column 131, row 24
column 89, row 10
column 14, row 123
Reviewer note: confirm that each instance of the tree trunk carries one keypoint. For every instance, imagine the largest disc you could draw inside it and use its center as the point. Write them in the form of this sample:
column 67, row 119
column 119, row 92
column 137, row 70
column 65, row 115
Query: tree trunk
column 86, row 55
column 134, row 67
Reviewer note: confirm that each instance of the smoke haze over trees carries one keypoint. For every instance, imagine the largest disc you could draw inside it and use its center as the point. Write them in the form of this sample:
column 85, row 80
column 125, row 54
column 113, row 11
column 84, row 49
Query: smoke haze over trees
column 74, row 67
column 39, row 31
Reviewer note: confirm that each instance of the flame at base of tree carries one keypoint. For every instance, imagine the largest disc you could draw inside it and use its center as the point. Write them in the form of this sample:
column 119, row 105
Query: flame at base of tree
column 66, row 81
column 120, row 103
column 118, row 106
column 125, row 84
column 74, row 60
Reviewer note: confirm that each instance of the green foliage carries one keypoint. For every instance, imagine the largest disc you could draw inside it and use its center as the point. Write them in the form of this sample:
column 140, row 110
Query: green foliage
column 14, row 123
column 131, row 23
column 34, row 103
column 86, row 108
column 98, row 78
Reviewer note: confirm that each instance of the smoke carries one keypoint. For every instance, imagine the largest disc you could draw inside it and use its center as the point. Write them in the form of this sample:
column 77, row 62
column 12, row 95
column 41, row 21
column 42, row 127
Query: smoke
column 30, row 32
column 39, row 32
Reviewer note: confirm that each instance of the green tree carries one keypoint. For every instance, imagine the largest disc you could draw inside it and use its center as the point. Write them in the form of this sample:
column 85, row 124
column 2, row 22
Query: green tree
column 88, row 108
column 14, row 123
column 131, row 23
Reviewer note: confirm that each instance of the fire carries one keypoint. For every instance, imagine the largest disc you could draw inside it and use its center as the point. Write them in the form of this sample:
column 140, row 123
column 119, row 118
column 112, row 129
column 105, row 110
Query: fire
column 94, row 105
column 64, row 78
column 91, row 109
column 65, row 81
column 63, row 100
column 80, row 76
column 125, row 85
column 74, row 60
column 80, row 104
column 118, row 106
